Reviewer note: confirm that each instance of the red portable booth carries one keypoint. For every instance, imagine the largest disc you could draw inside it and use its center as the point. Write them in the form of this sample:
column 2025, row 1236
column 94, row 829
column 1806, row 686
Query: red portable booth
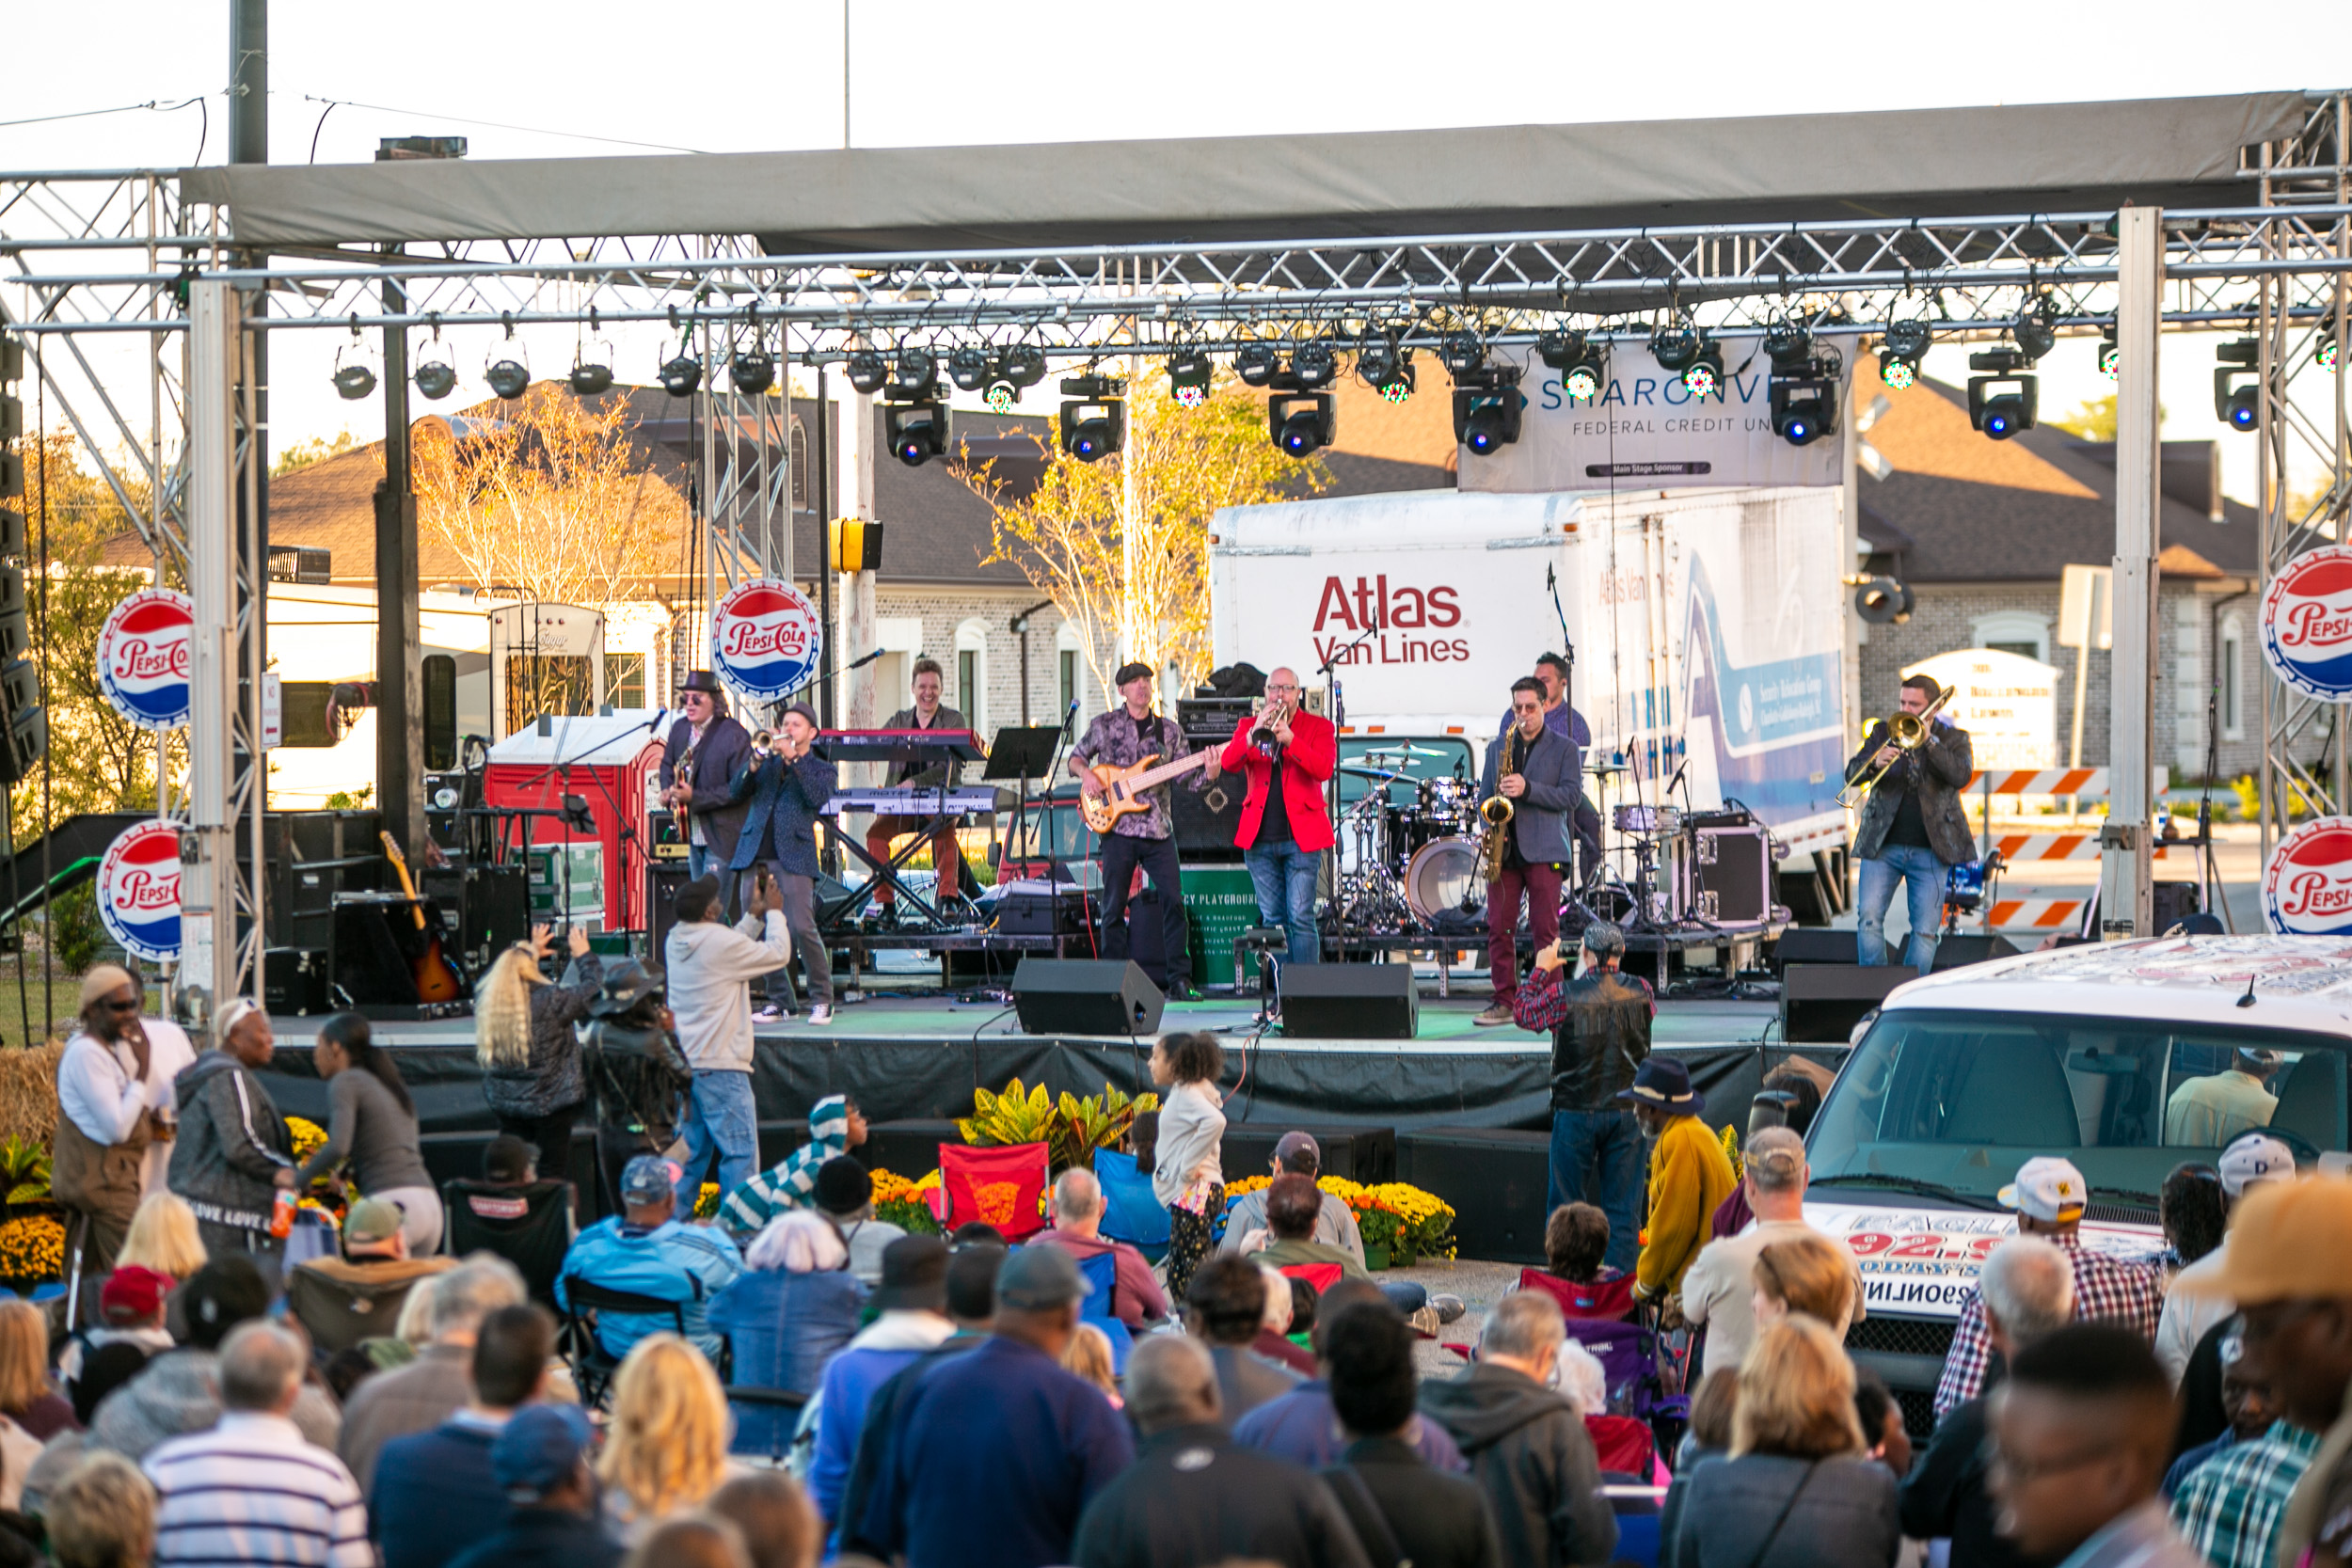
column 613, row 763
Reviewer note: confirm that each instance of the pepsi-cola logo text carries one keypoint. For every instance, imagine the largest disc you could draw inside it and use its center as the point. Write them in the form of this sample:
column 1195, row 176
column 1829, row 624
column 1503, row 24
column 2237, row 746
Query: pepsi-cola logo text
column 2307, row 624
column 765, row 640
column 143, row 658
column 138, row 890
column 2307, row 888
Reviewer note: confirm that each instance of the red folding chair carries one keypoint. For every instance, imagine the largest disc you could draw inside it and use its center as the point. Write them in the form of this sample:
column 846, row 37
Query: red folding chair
column 1623, row 1445
column 1607, row 1301
column 1004, row 1187
column 1321, row 1275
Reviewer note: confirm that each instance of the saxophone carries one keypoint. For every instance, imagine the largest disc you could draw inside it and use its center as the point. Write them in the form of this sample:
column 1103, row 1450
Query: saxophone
column 1496, row 810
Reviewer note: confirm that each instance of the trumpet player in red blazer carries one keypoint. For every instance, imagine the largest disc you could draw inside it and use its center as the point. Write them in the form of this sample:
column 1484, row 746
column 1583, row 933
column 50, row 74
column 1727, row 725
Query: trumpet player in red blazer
column 1288, row 755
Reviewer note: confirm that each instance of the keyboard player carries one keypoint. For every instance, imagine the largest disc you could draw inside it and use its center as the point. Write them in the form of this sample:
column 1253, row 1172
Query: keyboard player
column 928, row 713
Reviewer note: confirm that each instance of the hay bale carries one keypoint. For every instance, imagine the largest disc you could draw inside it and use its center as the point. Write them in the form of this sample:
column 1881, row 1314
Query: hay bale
column 28, row 1093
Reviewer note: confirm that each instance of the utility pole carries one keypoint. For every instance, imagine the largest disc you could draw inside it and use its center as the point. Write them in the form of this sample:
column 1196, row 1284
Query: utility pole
column 2126, row 907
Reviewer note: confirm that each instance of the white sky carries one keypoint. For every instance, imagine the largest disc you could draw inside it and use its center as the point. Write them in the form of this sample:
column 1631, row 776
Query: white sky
column 720, row 75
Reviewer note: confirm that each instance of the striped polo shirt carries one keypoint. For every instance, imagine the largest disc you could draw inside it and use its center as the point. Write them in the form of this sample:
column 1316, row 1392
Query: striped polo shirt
column 252, row 1491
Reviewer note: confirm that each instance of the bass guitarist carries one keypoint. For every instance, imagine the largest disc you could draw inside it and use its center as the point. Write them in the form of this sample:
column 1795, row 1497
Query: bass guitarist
column 1120, row 739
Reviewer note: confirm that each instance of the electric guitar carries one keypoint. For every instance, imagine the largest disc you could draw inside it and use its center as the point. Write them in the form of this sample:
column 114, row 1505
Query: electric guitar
column 435, row 981
column 1123, row 786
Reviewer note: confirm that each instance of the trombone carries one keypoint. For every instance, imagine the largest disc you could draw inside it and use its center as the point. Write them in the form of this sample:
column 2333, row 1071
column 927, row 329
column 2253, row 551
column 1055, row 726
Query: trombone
column 1905, row 732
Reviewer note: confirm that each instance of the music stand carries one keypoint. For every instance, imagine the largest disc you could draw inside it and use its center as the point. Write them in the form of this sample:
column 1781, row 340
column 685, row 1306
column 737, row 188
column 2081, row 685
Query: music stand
column 1022, row 753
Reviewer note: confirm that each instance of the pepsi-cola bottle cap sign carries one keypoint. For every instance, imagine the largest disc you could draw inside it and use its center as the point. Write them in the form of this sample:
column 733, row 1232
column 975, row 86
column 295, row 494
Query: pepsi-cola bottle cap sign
column 143, row 655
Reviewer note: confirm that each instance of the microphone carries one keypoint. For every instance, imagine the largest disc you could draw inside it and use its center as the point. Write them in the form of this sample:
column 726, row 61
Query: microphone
column 1070, row 720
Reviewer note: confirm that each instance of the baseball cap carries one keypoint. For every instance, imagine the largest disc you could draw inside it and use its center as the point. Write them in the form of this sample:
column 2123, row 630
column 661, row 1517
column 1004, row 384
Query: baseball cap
column 913, row 1276
column 1039, row 1277
column 646, row 1180
column 539, row 1450
column 131, row 1292
column 843, row 1187
column 2253, row 1158
column 2287, row 1239
column 1290, row 1144
column 2047, row 1188
column 372, row 1219
column 1775, row 1151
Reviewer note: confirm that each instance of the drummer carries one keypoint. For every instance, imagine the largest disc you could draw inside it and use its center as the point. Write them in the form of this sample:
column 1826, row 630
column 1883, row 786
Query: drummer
column 1561, row 715
column 1288, row 755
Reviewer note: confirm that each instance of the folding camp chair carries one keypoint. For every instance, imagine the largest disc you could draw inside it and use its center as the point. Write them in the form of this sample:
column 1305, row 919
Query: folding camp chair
column 593, row 1365
column 1609, row 1300
column 1101, row 1308
column 1321, row 1275
column 1131, row 1210
column 1003, row 1186
column 529, row 1226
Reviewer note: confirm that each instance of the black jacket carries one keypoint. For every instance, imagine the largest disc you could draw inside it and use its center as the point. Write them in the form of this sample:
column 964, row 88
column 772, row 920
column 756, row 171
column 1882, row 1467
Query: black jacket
column 1434, row 1519
column 1193, row 1497
column 1601, row 1040
column 1946, row 1495
column 1529, row 1450
column 232, row 1142
column 1937, row 772
column 725, row 746
column 1830, row 1514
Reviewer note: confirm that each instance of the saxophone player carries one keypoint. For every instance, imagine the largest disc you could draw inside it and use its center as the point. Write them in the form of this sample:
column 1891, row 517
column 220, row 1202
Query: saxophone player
column 1538, row 769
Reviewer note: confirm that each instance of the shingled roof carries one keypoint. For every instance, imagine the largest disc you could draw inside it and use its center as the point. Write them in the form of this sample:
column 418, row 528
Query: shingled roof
column 1961, row 507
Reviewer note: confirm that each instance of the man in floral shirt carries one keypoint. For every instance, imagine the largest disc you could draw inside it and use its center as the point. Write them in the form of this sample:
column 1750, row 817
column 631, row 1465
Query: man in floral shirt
column 1122, row 738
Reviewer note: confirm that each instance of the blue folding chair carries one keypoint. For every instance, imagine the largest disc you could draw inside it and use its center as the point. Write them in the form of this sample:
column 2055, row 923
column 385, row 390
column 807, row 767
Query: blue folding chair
column 1131, row 1212
column 1101, row 1306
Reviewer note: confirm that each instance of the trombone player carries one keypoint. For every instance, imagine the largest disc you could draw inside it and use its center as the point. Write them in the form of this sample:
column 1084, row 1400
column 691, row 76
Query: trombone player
column 1913, row 828
column 1537, row 769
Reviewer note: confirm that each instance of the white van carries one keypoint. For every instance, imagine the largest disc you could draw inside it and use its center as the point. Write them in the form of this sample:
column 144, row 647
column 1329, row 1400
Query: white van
column 1963, row 1076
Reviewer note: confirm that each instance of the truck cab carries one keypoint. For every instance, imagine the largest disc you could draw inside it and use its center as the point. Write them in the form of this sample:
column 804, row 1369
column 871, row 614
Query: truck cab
column 2127, row 1058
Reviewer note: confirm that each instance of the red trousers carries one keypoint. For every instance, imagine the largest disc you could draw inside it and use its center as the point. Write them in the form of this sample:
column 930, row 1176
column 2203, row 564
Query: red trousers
column 945, row 859
column 1540, row 886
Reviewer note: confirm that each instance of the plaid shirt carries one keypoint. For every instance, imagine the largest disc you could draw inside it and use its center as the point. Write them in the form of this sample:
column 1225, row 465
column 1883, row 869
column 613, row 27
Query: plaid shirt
column 2107, row 1289
column 1543, row 1001
column 2230, row 1507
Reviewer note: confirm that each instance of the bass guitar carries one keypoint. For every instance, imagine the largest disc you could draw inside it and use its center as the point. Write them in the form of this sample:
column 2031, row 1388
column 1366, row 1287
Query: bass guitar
column 1122, row 787
column 435, row 981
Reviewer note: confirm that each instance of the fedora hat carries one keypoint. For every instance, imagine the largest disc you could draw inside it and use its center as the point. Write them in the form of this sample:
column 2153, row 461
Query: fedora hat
column 1665, row 1084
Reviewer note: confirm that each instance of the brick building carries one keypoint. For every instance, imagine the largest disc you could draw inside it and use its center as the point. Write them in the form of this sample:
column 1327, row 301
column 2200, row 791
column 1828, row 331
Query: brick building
column 1982, row 532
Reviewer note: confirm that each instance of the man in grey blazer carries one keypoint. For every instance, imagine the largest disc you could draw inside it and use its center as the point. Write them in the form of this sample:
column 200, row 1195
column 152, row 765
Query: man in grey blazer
column 1543, row 791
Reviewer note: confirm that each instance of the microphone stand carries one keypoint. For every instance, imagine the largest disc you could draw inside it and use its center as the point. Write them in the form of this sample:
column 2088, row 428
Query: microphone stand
column 1339, row 717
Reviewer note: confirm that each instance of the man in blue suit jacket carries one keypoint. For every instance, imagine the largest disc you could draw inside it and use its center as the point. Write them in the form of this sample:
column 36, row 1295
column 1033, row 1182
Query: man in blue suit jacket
column 1543, row 791
column 787, row 785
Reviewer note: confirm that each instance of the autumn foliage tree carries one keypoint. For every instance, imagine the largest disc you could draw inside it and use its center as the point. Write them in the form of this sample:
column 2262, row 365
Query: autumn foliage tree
column 1130, row 571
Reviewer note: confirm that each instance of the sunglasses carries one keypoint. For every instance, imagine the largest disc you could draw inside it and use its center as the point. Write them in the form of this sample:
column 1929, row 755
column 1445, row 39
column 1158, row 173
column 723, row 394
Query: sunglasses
column 693, row 696
column 118, row 1007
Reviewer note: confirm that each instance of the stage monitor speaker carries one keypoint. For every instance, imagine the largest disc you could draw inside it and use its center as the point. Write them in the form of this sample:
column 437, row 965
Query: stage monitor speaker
column 663, row 880
column 1497, row 1179
column 1208, row 821
column 2173, row 902
column 1820, row 1002
column 1814, row 944
column 1359, row 1154
column 1364, row 1002
column 1953, row 952
column 1086, row 996
column 494, row 908
column 294, row 981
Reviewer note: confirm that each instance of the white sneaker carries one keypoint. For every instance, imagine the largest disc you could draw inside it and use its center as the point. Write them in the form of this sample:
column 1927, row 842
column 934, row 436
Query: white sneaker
column 768, row 1014
column 820, row 1012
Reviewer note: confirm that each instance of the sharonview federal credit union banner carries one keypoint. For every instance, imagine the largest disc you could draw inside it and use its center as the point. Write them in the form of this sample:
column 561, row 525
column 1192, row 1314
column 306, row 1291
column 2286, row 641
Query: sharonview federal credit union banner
column 1645, row 429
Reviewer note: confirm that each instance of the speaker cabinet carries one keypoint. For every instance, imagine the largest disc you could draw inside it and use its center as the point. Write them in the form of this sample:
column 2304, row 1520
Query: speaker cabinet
column 1328, row 1002
column 1360, row 1154
column 1953, row 952
column 663, row 877
column 1497, row 1179
column 1086, row 996
column 1821, row 1002
column 1814, row 944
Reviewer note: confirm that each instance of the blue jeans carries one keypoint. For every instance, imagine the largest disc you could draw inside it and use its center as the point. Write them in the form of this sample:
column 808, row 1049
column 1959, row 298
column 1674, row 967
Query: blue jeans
column 1901, row 862
column 719, row 1117
column 697, row 859
column 1284, row 876
column 1407, row 1296
column 1610, row 1141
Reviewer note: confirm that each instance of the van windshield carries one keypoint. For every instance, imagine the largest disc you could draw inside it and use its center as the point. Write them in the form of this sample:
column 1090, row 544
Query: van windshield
column 1960, row 1099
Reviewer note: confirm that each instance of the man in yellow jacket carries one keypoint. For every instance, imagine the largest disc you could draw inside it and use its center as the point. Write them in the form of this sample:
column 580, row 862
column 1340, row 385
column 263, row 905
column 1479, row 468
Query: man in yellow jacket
column 1689, row 1174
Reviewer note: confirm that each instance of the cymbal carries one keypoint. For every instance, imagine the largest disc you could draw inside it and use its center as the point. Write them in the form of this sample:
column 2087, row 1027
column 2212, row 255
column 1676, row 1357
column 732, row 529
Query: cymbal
column 1386, row 775
column 1603, row 769
column 1403, row 749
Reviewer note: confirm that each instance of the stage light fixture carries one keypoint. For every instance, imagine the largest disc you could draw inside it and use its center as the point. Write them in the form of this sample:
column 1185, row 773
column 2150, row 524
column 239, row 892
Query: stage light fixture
column 913, row 375
column 2326, row 355
column 2237, row 384
column 680, row 375
column 1256, row 364
column 1093, row 417
column 1313, row 365
column 1023, row 364
column 1582, row 364
column 970, row 369
column 2110, row 357
column 753, row 371
column 508, row 378
column 1001, row 396
column 1675, row 348
column 437, row 378
column 588, row 380
column 917, row 431
column 1788, row 345
column 1486, row 408
column 1301, row 423
column 1190, row 376
column 1387, row 369
column 1805, row 408
column 2004, row 400
column 2034, row 336
column 867, row 371
column 1900, row 350
column 1463, row 355
column 353, row 378
column 1703, row 377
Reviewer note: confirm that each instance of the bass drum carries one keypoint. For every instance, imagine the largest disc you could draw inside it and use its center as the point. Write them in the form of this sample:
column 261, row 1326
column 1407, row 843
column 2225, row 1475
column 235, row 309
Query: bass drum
column 1443, row 877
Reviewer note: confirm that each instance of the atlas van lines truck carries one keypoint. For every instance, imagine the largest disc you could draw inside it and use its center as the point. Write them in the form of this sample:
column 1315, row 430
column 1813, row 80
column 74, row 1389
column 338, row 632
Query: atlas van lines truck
column 1707, row 628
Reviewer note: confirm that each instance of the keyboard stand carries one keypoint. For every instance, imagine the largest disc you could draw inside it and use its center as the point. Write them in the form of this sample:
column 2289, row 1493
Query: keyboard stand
column 884, row 873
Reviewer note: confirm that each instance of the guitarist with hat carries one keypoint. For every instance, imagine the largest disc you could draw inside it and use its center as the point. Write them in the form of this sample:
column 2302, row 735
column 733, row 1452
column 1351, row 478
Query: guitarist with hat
column 1122, row 740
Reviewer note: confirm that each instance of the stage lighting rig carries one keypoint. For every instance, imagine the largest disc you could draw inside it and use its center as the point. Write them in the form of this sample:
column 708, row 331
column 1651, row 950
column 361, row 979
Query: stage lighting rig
column 753, row 371
column 1094, row 415
column 1313, row 366
column 1190, row 373
column 1582, row 364
column 970, row 369
column 680, row 375
column 1256, row 364
column 2110, row 357
column 1900, row 350
column 1487, row 406
column 2002, row 402
column 1301, row 423
column 1018, row 368
column 913, row 376
column 867, row 371
column 1691, row 354
column 917, row 431
column 1387, row 369
column 2237, row 384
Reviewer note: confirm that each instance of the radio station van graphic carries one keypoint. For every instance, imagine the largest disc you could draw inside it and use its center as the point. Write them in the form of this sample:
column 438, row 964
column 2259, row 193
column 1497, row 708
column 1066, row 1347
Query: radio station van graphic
column 765, row 640
column 138, row 890
column 143, row 653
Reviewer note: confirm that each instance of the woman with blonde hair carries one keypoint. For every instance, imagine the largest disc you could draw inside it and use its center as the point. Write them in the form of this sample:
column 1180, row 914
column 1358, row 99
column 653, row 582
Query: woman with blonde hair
column 1798, row 1489
column 1810, row 1274
column 666, row 1447
column 162, row 1237
column 25, row 1395
column 1088, row 1354
column 522, row 1028
column 102, row 1515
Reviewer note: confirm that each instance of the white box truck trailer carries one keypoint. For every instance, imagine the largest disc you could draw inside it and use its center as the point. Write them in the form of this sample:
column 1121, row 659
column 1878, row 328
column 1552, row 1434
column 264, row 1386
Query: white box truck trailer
column 1708, row 627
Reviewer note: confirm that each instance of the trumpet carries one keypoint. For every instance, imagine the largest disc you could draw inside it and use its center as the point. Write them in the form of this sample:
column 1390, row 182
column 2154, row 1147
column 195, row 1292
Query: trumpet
column 1270, row 713
column 1905, row 732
